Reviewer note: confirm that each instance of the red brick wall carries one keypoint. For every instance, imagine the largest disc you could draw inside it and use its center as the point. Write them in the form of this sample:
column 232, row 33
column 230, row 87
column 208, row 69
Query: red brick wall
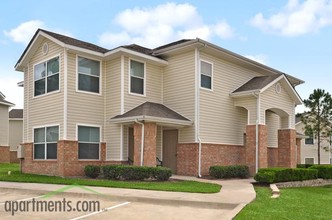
column 4, row 154
column 150, row 143
column 67, row 163
column 287, row 148
column 212, row 154
column 251, row 147
column 298, row 144
column 272, row 157
column 13, row 157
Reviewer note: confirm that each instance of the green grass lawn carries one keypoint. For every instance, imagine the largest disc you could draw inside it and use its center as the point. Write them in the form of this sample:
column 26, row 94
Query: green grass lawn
column 294, row 203
column 176, row 186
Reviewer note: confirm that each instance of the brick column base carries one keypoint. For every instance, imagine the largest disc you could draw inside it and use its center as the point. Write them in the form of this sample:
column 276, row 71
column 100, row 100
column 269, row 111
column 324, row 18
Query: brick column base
column 251, row 147
column 287, row 148
column 150, row 143
column 298, row 148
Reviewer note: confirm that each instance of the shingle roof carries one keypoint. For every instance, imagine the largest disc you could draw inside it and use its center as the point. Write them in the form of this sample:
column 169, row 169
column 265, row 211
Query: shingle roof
column 154, row 110
column 3, row 101
column 256, row 83
column 171, row 44
column 138, row 48
column 75, row 42
column 16, row 113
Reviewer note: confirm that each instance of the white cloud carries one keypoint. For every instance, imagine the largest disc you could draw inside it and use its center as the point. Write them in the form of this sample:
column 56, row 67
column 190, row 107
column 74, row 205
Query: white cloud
column 162, row 24
column 13, row 93
column 24, row 32
column 297, row 18
column 260, row 58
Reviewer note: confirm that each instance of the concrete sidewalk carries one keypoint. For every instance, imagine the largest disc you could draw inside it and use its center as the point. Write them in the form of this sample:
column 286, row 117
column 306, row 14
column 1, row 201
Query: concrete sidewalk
column 234, row 195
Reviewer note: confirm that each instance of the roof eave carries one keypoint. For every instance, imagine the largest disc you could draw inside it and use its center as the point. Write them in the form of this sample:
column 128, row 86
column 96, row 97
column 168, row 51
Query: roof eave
column 152, row 119
column 7, row 104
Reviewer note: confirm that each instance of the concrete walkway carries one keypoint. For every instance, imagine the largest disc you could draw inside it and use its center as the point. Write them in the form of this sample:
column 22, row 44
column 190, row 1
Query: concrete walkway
column 234, row 195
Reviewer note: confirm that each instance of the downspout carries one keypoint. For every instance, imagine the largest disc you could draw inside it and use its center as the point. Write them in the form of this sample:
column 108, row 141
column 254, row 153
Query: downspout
column 142, row 140
column 199, row 156
column 257, row 122
column 198, row 64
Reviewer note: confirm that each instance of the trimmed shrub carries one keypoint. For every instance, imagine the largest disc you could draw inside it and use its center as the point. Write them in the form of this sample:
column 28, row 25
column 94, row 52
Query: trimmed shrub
column 92, row 171
column 162, row 173
column 235, row 171
column 324, row 171
column 112, row 171
column 276, row 175
column 304, row 165
column 125, row 172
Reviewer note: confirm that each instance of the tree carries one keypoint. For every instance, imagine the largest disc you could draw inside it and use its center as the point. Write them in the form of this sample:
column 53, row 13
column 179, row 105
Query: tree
column 318, row 120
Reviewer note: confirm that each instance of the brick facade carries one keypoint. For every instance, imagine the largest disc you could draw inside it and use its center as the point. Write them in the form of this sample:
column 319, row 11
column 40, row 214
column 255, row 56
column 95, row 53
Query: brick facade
column 4, row 154
column 150, row 143
column 250, row 147
column 298, row 153
column 287, row 148
column 212, row 154
column 66, row 164
column 272, row 157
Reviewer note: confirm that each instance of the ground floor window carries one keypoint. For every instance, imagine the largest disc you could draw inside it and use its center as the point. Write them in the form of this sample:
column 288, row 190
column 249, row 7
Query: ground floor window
column 309, row 160
column 45, row 143
column 88, row 142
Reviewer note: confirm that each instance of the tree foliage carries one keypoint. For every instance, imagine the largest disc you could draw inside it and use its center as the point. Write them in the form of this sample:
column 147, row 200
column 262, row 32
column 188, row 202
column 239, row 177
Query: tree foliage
column 318, row 120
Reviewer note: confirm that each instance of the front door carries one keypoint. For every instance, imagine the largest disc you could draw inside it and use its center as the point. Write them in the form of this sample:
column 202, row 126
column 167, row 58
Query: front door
column 170, row 141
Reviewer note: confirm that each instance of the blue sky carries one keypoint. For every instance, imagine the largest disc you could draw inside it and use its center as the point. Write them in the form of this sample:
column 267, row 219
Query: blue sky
column 292, row 36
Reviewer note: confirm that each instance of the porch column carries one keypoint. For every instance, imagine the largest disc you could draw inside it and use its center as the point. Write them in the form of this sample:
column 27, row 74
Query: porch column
column 298, row 149
column 150, row 143
column 251, row 147
column 287, row 148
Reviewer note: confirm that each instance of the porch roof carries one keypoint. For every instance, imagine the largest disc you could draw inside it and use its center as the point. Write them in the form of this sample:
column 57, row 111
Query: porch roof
column 153, row 112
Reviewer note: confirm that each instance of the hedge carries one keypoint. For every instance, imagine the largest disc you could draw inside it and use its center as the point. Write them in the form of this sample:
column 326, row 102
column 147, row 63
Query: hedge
column 324, row 171
column 276, row 175
column 304, row 165
column 235, row 171
column 92, row 171
column 125, row 172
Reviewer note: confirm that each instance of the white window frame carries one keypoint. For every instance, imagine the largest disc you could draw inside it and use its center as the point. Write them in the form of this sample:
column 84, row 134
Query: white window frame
column 33, row 74
column 200, row 73
column 100, row 75
column 129, row 78
column 309, row 158
column 313, row 141
column 100, row 140
column 45, row 143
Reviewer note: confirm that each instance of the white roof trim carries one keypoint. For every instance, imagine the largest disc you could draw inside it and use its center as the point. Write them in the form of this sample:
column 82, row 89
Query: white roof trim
column 296, row 97
column 152, row 119
column 2, row 95
column 8, row 104
column 83, row 50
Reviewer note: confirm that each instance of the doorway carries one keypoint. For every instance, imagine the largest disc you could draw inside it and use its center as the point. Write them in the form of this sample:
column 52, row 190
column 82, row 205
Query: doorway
column 170, row 141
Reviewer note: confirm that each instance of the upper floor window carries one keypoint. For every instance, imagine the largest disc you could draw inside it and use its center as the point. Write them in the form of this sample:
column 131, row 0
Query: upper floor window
column 309, row 140
column 206, row 75
column 46, row 76
column 88, row 75
column 88, row 142
column 45, row 142
column 137, row 77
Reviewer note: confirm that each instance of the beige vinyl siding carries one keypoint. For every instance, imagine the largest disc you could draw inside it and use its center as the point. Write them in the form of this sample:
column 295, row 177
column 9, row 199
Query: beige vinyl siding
column 15, row 133
column 46, row 109
column 4, row 125
column 153, row 77
column 273, row 125
column 113, row 107
column 250, row 104
column 125, row 143
column 179, row 90
column 310, row 150
column 220, row 120
column 271, row 99
column 82, row 108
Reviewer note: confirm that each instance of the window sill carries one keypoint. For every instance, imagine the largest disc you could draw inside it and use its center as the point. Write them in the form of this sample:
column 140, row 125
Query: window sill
column 88, row 93
column 46, row 94
column 87, row 160
column 206, row 89
column 43, row 160
column 136, row 94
